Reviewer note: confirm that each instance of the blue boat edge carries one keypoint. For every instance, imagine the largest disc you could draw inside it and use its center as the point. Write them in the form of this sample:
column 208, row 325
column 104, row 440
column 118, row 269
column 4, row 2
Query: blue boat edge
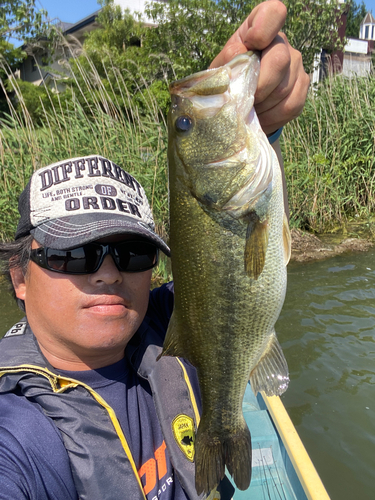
column 281, row 466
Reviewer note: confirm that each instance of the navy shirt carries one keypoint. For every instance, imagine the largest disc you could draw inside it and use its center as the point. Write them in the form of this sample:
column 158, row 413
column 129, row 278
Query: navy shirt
column 33, row 461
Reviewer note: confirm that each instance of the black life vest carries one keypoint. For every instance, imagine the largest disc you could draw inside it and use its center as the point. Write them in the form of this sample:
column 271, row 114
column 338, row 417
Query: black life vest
column 103, row 466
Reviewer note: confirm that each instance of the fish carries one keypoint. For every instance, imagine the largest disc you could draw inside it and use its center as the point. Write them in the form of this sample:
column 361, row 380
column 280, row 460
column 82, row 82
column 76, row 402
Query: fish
column 230, row 245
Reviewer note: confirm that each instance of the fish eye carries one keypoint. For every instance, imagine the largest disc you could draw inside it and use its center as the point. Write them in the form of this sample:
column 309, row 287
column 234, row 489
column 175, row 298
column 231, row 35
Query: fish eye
column 183, row 124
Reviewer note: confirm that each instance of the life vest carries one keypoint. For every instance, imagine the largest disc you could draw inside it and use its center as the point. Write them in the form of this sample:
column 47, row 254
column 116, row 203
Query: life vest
column 103, row 466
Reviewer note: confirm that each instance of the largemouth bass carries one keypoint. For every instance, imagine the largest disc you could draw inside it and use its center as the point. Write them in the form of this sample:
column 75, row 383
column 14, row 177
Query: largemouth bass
column 230, row 245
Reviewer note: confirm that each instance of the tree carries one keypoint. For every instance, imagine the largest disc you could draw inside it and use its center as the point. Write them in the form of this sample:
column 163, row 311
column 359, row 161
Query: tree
column 313, row 25
column 192, row 32
column 356, row 14
column 21, row 21
column 118, row 30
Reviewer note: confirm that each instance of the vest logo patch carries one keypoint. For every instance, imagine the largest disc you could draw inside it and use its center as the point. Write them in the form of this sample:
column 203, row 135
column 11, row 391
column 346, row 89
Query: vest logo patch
column 184, row 434
column 17, row 329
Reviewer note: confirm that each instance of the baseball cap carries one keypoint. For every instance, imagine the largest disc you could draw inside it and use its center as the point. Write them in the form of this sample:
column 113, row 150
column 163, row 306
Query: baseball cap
column 79, row 200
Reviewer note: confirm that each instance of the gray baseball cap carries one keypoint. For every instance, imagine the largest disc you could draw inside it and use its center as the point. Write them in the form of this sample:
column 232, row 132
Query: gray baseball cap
column 79, row 200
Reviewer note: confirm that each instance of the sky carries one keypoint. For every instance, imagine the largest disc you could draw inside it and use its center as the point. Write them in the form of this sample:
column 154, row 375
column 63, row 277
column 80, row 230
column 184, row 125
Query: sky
column 370, row 4
column 69, row 11
column 72, row 11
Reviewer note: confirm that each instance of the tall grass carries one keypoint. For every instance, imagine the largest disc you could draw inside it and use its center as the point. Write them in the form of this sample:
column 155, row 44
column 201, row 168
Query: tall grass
column 97, row 119
column 329, row 155
column 107, row 123
column 328, row 151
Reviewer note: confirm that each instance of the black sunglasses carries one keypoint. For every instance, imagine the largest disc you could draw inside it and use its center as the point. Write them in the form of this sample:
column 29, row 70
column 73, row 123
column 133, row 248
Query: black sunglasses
column 129, row 257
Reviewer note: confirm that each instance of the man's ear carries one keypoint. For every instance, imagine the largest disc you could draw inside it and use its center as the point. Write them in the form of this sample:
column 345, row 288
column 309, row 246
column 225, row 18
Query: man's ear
column 18, row 280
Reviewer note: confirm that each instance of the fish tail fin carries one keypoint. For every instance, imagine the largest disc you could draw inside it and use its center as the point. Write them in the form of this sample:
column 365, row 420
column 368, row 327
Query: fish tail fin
column 213, row 453
column 172, row 345
column 271, row 373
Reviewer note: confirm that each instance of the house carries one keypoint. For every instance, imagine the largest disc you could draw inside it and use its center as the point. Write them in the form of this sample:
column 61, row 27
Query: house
column 138, row 6
column 355, row 58
column 367, row 29
column 358, row 51
column 36, row 70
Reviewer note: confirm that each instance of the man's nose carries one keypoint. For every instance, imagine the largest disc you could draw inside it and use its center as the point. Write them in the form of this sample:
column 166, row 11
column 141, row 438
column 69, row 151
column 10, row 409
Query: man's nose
column 107, row 272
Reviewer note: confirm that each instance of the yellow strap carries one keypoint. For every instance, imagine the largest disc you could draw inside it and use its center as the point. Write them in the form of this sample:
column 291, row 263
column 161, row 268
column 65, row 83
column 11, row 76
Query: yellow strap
column 192, row 396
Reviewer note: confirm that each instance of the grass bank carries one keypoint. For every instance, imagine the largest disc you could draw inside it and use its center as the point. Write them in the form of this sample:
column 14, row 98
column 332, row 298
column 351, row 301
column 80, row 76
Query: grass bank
column 328, row 150
column 329, row 155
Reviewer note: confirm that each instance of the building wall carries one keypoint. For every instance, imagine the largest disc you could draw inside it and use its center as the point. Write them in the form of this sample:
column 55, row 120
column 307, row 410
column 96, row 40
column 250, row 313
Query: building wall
column 356, row 65
column 137, row 6
column 367, row 32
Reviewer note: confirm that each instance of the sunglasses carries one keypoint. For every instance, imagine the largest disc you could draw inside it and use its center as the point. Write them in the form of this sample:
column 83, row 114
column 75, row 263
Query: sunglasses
column 129, row 257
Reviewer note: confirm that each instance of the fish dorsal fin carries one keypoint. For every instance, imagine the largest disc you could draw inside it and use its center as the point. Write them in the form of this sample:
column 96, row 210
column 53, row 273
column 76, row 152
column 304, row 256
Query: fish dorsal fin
column 287, row 240
column 256, row 247
column 271, row 372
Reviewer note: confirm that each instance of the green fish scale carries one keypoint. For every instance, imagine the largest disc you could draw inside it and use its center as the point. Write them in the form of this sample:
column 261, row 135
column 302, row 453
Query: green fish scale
column 228, row 316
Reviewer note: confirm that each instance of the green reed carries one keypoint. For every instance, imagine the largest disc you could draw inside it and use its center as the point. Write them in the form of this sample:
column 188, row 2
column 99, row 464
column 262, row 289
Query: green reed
column 97, row 118
column 328, row 150
column 329, row 155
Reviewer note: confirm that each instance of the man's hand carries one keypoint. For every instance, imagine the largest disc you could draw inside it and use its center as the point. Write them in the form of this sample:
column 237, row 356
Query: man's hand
column 283, row 83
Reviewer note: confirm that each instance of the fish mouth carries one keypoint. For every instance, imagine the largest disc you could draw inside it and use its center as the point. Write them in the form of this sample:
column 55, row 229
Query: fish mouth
column 209, row 90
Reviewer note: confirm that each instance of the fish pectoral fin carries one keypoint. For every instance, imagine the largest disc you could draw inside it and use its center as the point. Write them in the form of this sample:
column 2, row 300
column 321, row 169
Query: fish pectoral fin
column 256, row 247
column 271, row 373
column 287, row 240
column 172, row 346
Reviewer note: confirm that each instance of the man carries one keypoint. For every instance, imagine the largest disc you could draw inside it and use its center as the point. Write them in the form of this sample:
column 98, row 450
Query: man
column 85, row 409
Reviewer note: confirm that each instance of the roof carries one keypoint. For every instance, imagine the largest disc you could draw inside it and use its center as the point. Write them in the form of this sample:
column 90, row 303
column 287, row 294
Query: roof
column 82, row 23
column 368, row 19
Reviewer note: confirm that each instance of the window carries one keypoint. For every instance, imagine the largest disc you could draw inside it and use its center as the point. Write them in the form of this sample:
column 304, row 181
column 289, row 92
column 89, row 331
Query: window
column 366, row 32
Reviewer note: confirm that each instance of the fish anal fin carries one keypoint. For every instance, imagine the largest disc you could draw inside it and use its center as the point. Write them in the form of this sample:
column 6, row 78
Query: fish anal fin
column 271, row 372
column 172, row 345
column 287, row 240
column 256, row 248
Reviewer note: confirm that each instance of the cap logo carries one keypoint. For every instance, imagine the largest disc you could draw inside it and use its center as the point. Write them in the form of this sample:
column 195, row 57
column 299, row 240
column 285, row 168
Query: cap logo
column 83, row 185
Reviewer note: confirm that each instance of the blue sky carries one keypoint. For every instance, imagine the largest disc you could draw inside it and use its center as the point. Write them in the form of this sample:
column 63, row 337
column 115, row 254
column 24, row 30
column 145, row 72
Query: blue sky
column 370, row 4
column 69, row 11
column 72, row 11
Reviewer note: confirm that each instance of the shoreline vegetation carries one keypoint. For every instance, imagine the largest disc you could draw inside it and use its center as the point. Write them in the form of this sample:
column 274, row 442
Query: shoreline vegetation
column 328, row 151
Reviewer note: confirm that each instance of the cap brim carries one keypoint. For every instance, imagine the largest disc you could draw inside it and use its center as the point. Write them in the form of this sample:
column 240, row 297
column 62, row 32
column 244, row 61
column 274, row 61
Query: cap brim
column 75, row 230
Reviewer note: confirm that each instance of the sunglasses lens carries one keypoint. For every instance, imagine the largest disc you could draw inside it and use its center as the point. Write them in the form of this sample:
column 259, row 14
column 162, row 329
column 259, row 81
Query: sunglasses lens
column 80, row 260
column 135, row 256
column 130, row 257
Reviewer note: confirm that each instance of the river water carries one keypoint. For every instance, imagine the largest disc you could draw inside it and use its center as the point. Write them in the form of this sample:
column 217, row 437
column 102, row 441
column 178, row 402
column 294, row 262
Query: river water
column 327, row 330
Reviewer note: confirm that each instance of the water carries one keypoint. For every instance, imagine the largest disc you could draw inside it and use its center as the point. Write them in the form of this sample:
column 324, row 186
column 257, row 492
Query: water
column 327, row 330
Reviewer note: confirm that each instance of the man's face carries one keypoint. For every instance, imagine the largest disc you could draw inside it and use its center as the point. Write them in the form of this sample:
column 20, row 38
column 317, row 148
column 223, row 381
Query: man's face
column 83, row 321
